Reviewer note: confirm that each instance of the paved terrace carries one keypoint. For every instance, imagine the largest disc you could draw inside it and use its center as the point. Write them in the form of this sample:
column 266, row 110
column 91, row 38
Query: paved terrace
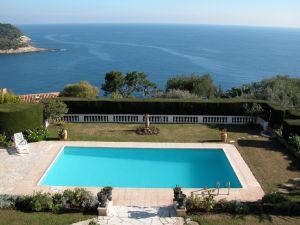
column 21, row 174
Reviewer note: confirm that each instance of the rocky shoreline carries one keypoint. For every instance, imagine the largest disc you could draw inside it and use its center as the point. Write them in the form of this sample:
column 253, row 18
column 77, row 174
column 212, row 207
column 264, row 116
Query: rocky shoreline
column 27, row 49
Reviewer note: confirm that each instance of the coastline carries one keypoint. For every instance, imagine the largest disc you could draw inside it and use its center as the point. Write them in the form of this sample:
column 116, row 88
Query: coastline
column 27, row 49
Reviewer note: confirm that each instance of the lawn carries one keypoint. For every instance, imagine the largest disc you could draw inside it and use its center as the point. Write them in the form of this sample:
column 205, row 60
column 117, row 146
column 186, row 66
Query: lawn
column 13, row 217
column 168, row 132
column 225, row 219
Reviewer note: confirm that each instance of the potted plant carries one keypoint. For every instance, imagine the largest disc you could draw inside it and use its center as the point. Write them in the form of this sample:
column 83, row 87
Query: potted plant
column 63, row 133
column 104, row 197
column 181, row 205
column 177, row 191
column 224, row 135
column 108, row 191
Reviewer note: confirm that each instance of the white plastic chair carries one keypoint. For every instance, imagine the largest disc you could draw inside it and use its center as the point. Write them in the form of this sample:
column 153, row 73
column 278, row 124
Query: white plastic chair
column 21, row 144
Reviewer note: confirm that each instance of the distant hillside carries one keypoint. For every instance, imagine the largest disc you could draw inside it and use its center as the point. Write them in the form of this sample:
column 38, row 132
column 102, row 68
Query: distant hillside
column 10, row 37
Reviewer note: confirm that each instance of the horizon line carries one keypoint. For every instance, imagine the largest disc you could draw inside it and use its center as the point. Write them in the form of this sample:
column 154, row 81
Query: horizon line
column 158, row 23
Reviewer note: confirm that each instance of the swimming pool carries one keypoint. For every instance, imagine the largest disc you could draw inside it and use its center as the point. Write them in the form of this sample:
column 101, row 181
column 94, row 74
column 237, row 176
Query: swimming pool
column 140, row 168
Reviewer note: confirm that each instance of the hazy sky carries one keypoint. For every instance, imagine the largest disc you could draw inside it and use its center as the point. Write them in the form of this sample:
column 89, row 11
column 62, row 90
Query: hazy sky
column 238, row 12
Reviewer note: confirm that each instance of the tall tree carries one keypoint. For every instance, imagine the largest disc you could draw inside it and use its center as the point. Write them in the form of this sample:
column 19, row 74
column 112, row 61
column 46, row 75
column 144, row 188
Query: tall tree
column 114, row 82
column 138, row 82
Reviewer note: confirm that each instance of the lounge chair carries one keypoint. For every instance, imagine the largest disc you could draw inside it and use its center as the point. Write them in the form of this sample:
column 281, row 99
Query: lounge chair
column 21, row 144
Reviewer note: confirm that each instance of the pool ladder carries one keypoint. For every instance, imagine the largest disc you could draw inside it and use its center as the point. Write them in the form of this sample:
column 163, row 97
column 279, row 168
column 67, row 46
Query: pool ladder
column 214, row 191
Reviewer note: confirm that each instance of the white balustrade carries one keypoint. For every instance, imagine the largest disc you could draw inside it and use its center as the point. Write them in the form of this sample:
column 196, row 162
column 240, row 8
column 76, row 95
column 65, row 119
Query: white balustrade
column 184, row 119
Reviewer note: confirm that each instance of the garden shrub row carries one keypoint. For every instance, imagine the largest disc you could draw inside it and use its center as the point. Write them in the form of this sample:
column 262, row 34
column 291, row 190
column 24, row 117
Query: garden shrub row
column 172, row 106
column 19, row 117
column 76, row 200
column 272, row 203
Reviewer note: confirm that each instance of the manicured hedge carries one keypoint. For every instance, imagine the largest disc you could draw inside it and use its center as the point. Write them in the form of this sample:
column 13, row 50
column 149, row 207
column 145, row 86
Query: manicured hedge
column 19, row 117
column 275, row 115
column 290, row 127
column 172, row 106
column 154, row 106
column 293, row 114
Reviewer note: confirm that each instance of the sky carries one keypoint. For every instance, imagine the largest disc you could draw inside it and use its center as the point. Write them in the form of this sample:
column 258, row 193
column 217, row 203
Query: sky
column 277, row 13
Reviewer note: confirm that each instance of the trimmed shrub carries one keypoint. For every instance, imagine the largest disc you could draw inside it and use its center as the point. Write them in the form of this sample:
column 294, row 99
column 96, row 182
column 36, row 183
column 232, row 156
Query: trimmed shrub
column 275, row 115
column 290, row 127
column 274, row 198
column 20, row 117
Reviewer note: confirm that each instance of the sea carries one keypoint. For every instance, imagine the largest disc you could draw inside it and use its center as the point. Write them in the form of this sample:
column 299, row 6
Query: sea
column 233, row 55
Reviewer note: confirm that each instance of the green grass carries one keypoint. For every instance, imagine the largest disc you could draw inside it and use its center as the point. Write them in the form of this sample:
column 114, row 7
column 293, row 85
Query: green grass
column 225, row 219
column 168, row 132
column 13, row 217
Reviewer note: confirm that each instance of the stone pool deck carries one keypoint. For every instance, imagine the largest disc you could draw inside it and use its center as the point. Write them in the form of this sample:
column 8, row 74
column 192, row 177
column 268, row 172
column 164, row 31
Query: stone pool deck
column 21, row 174
column 137, row 215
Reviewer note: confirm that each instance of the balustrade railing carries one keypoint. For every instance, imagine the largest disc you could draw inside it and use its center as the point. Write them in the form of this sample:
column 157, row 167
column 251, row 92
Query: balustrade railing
column 184, row 119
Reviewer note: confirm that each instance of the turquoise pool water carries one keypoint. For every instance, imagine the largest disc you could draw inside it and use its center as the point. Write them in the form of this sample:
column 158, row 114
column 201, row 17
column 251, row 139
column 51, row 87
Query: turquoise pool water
column 140, row 168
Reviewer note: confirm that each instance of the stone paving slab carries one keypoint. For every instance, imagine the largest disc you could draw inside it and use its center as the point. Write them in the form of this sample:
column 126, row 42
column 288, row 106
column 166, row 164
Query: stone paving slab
column 140, row 215
column 137, row 215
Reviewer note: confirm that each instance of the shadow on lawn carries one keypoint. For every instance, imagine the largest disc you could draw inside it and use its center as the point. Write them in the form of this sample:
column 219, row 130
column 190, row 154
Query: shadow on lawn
column 260, row 217
column 252, row 129
column 272, row 145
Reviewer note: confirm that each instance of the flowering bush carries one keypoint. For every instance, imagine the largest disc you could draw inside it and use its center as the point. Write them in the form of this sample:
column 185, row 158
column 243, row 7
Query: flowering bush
column 35, row 135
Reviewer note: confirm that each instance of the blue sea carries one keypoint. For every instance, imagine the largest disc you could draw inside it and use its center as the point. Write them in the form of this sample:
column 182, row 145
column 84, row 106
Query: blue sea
column 233, row 55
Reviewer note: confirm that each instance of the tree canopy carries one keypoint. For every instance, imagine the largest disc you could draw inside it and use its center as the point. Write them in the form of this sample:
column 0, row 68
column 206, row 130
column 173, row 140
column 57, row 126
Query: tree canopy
column 54, row 109
column 116, row 84
column 200, row 85
column 283, row 90
column 81, row 90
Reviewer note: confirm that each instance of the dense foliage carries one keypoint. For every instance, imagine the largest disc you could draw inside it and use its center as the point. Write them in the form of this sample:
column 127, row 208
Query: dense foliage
column 35, row 134
column 54, row 109
column 82, row 90
column 8, row 97
column 9, row 37
column 283, row 90
column 175, row 93
column 200, row 85
column 295, row 140
column 118, row 85
column 4, row 141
